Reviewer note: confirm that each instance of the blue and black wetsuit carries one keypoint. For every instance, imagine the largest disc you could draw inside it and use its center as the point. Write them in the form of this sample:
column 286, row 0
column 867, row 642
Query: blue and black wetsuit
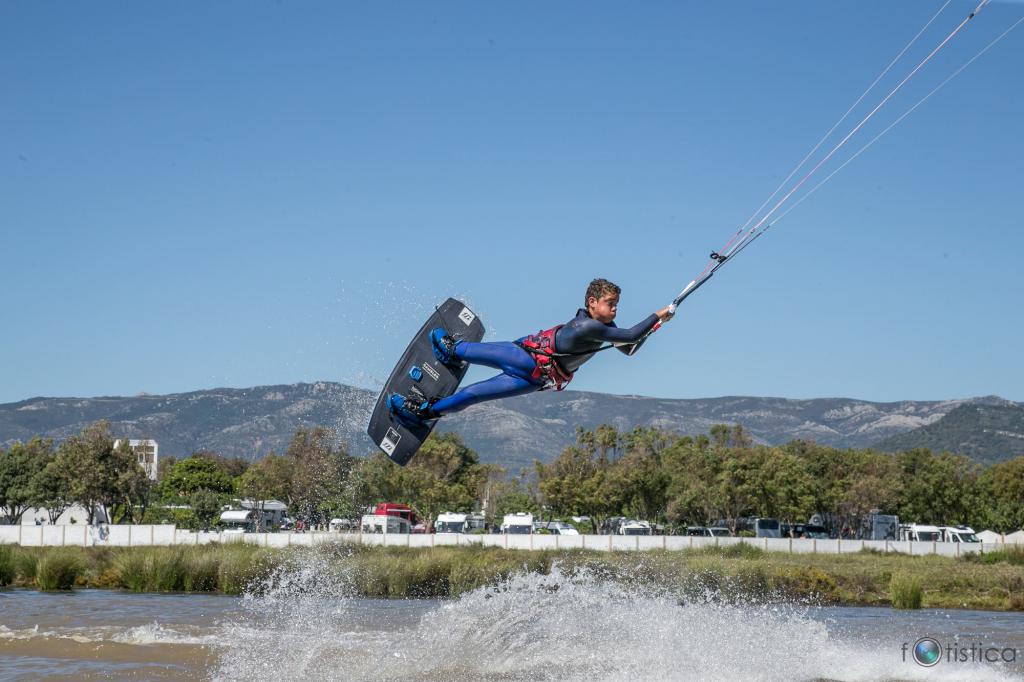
column 579, row 339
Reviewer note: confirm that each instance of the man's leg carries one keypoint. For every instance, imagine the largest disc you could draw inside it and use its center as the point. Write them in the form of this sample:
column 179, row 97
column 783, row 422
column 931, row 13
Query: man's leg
column 503, row 355
column 515, row 363
column 501, row 386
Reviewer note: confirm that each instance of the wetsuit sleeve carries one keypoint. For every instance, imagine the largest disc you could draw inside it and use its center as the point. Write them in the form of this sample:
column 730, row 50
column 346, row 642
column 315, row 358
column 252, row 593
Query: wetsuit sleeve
column 646, row 325
column 601, row 332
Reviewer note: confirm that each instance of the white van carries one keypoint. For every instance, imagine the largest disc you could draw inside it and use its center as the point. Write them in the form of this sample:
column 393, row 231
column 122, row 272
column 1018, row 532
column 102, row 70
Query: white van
column 239, row 521
column 520, row 523
column 920, row 532
column 385, row 524
column 958, row 534
column 451, row 522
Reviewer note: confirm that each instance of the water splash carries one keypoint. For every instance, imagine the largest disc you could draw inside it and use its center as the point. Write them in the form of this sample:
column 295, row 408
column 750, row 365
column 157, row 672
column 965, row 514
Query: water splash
column 305, row 624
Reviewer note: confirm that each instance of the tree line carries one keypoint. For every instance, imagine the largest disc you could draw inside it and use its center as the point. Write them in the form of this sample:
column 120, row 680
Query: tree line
column 678, row 480
column 646, row 473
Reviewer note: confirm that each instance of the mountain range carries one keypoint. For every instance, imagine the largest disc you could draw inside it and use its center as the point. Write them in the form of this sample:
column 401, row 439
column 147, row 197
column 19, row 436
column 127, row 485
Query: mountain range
column 250, row 422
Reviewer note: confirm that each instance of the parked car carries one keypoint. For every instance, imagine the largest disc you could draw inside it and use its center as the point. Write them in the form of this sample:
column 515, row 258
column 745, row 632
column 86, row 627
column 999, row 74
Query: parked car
column 804, row 530
column 560, row 528
column 633, row 527
column 342, row 525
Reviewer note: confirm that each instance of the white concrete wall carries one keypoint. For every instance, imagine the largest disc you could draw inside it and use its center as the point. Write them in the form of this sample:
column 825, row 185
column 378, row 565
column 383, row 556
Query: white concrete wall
column 147, row 535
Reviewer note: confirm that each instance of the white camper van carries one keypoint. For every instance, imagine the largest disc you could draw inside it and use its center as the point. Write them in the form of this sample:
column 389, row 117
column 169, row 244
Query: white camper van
column 958, row 534
column 450, row 522
column 920, row 532
column 520, row 523
column 239, row 521
column 385, row 524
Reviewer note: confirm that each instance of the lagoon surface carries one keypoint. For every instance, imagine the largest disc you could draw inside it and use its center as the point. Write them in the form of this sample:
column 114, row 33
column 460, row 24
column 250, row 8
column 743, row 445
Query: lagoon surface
column 533, row 628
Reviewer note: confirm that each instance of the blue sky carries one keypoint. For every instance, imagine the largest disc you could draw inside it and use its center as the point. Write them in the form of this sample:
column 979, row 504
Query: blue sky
column 196, row 195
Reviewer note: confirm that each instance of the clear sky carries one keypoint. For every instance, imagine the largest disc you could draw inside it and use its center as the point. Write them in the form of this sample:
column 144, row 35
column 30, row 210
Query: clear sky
column 196, row 195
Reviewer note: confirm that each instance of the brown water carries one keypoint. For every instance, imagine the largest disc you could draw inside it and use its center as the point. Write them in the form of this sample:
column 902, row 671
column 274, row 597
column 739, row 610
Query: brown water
column 536, row 628
column 110, row 635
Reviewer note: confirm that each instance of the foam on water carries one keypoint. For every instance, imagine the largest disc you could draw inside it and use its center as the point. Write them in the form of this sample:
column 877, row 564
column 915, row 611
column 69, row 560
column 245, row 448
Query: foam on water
column 153, row 633
column 556, row 627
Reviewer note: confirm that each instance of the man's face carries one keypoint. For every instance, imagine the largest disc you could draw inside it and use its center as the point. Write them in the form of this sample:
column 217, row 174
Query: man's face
column 603, row 309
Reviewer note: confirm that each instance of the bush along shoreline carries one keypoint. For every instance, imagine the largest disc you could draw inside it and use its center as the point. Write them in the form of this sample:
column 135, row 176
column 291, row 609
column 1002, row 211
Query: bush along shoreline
column 739, row 574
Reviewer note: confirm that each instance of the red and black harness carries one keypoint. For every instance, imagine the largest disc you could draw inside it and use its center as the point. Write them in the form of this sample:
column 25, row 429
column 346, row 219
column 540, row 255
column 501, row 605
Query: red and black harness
column 541, row 346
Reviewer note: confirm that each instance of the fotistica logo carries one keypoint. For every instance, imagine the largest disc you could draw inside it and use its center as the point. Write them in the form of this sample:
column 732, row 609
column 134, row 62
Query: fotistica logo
column 929, row 652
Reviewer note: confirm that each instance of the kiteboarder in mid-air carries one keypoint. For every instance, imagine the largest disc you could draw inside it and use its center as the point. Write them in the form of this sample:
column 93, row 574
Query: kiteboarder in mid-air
column 547, row 359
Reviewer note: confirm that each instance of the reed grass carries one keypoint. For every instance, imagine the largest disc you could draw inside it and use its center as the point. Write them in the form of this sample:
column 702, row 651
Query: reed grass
column 742, row 574
column 1013, row 554
column 59, row 570
column 906, row 591
column 8, row 570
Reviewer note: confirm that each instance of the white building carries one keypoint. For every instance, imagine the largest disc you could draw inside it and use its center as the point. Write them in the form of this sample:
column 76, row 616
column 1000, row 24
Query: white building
column 75, row 514
column 147, row 452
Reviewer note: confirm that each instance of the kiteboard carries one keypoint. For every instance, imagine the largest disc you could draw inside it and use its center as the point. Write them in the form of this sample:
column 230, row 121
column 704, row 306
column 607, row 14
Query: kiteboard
column 419, row 373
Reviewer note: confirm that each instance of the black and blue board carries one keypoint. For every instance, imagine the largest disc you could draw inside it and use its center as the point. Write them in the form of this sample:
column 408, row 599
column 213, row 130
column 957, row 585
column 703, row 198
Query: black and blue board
column 420, row 373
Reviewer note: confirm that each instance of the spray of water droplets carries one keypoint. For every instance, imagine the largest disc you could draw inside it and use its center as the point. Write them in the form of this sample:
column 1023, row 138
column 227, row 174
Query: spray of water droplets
column 573, row 624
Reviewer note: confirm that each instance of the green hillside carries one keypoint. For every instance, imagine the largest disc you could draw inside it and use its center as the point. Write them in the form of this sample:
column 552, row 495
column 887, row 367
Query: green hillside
column 985, row 433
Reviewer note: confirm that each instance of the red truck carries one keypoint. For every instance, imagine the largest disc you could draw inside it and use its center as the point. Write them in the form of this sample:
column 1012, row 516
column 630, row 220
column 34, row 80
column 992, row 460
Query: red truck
column 394, row 509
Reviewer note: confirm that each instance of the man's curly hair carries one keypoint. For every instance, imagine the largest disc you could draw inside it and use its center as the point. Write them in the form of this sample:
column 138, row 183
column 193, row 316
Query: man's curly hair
column 599, row 288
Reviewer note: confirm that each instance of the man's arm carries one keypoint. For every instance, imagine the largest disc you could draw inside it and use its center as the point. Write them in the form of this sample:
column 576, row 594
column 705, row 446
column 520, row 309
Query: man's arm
column 661, row 317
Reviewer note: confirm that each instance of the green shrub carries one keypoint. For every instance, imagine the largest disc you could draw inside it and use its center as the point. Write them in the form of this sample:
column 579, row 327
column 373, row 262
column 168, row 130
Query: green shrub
column 58, row 570
column 905, row 592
